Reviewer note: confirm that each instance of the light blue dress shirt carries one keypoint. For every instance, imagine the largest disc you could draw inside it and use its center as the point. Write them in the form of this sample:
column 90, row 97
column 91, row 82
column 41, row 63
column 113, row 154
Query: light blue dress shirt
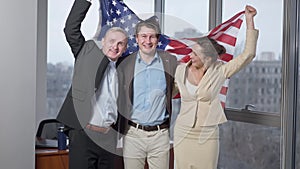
column 149, row 93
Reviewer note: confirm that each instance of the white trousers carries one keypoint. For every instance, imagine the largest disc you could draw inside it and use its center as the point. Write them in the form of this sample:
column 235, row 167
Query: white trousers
column 139, row 145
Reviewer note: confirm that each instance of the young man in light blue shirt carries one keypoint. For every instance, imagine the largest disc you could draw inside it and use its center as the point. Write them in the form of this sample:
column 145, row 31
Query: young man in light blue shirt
column 146, row 82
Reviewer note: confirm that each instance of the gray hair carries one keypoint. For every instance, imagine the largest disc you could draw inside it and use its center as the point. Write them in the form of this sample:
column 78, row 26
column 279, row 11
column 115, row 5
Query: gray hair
column 117, row 29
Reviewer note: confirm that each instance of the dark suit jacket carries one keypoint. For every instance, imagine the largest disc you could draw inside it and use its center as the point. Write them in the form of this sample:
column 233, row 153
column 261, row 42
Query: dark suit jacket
column 126, row 76
column 90, row 65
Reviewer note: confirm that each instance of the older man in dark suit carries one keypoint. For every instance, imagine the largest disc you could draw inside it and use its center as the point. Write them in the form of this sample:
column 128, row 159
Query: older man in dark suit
column 90, row 109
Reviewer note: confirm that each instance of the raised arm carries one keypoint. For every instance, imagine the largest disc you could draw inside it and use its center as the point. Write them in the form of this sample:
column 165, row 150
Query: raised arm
column 249, row 52
column 250, row 12
column 73, row 24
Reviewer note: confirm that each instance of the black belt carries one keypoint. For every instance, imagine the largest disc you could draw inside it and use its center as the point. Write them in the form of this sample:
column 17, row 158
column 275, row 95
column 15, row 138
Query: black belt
column 165, row 124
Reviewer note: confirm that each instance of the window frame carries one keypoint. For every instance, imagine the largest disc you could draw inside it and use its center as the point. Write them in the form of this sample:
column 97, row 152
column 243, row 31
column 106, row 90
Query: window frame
column 288, row 112
column 286, row 120
column 289, row 82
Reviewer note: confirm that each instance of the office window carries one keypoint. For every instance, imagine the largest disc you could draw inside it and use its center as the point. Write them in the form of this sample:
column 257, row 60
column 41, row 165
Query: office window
column 188, row 20
column 246, row 145
column 59, row 56
column 142, row 8
column 249, row 146
column 268, row 55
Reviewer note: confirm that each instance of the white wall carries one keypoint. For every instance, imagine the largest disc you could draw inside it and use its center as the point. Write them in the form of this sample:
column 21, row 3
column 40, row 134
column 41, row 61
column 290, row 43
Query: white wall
column 18, row 64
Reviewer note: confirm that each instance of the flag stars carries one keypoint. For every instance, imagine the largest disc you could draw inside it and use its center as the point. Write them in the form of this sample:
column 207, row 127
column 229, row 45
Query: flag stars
column 126, row 29
column 135, row 44
column 111, row 11
column 159, row 44
column 108, row 23
column 114, row 3
column 122, row 21
column 118, row 12
column 125, row 9
column 131, row 37
column 129, row 17
column 133, row 25
column 114, row 20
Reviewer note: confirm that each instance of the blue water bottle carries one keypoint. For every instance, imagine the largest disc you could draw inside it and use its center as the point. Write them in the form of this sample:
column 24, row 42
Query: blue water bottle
column 61, row 139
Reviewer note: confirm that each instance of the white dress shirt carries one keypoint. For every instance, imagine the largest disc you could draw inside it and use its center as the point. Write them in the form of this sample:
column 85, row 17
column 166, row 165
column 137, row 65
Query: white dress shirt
column 105, row 99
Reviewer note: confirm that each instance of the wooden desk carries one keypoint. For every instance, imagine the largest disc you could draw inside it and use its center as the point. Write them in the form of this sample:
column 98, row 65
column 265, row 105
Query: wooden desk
column 55, row 159
column 51, row 159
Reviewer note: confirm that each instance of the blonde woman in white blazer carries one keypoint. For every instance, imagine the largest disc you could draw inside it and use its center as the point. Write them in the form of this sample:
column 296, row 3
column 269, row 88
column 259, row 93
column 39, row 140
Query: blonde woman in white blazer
column 196, row 132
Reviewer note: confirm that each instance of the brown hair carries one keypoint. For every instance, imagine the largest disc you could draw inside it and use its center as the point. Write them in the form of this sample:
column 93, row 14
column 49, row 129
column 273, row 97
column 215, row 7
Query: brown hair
column 151, row 23
column 210, row 47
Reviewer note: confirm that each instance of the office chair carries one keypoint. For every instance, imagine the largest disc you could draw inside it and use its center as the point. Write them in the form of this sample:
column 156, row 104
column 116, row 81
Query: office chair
column 47, row 129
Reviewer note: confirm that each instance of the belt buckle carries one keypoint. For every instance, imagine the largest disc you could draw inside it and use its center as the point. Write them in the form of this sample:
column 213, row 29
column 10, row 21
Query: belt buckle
column 138, row 126
column 157, row 127
column 150, row 128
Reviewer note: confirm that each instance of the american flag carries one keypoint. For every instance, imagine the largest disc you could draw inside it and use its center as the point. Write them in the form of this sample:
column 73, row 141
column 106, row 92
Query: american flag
column 116, row 13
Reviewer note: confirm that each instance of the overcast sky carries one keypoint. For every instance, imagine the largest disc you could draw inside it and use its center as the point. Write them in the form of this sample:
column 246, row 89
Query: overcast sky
column 192, row 14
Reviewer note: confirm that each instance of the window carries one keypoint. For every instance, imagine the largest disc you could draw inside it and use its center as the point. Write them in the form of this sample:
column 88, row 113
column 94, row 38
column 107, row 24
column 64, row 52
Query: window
column 193, row 22
column 249, row 146
column 269, row 49
column 59, row 56
column 142, row 8
column 244, row 145
column 268, row 55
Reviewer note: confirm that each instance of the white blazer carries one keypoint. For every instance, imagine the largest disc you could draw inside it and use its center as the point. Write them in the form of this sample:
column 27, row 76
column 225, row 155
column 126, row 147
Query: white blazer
column 204, row 106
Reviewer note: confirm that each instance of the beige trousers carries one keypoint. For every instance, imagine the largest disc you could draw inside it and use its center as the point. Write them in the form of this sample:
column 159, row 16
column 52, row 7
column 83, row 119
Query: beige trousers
column 196, row 148
column 139, row 145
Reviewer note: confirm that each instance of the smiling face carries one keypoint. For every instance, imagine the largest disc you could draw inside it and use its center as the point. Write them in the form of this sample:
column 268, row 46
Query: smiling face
column 147, row 40
column 114, row 43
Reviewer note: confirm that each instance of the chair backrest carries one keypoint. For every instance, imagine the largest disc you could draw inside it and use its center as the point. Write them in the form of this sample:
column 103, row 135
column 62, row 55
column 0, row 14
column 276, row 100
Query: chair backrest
column 48, row 129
